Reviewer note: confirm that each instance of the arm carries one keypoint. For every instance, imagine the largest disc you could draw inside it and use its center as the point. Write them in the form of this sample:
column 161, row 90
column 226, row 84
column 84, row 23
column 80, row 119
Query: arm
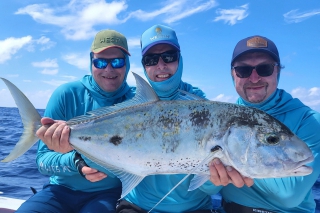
column 55, row 155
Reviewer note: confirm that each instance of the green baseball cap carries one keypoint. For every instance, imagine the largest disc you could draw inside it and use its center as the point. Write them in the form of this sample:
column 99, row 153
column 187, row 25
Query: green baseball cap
column 109, row 38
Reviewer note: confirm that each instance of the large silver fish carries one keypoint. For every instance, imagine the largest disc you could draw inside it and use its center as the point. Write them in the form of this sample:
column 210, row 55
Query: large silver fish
column 145, row 136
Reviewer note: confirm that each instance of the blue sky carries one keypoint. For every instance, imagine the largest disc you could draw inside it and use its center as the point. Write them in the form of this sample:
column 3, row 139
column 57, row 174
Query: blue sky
column 44, row 44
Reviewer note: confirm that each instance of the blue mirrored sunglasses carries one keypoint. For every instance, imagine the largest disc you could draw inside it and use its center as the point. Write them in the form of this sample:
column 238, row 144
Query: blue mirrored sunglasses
column 102, row 63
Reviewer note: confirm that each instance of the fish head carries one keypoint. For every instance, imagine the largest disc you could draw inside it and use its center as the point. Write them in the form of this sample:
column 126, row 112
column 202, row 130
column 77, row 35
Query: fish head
column 266, row 149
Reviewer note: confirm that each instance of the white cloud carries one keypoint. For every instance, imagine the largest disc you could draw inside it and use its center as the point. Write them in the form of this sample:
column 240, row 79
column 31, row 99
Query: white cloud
column 82, row 61
column 39, row 98
column 232, row 16
column 133, row 43
column 310, row 97
column 48, row 63
column 174, row 11
column 49, row 71
column 78, row 18
column 11, row 46
column 294, row 16
column 224, row 98
column 45, row 43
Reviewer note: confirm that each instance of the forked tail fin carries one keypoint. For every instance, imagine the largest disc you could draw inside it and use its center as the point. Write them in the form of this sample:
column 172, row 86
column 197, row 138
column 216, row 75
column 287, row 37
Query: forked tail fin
column 30, row 119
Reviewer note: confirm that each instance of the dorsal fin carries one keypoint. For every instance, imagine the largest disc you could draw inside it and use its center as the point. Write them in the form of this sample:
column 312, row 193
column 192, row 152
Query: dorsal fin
column 144, row 94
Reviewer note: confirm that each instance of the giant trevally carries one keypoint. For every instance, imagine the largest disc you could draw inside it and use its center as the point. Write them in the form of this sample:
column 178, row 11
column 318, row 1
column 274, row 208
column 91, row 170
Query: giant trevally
column 146, row 136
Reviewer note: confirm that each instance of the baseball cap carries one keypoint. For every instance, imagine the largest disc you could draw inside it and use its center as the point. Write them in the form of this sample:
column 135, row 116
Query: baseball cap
column 255, row 44
column 109, row 38
column 158, row 34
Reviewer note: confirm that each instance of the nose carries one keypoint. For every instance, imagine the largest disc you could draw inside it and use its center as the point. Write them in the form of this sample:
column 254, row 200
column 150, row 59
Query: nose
column 109, row 67
column 254, row 77
column 161, row 64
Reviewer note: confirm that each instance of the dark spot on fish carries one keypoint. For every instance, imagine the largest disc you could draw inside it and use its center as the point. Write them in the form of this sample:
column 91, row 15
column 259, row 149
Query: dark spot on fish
column 200, row 118
column 85, row 138
column 116, row 140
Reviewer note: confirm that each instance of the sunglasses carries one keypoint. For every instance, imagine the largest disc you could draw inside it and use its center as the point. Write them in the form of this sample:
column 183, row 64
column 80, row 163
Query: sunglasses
column 102, row 63
column 153, row 59
column 263, row 70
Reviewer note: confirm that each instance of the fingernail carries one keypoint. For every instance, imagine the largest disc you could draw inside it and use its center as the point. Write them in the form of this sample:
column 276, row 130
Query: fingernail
column 217, row 161
column 229, row 168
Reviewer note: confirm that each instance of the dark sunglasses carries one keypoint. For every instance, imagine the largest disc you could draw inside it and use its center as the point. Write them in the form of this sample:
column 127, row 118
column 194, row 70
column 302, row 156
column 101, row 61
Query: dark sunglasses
column 263, row 70
column 167, row 57
column 102, row 63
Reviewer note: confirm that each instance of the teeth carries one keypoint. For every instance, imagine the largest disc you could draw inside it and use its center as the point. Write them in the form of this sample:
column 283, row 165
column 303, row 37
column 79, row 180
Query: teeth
column 163, row 76
column 109, row 77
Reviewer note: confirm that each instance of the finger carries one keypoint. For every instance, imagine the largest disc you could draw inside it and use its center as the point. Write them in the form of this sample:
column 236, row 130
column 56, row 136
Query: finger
column 248, row 181
column 236, row 178
column 214, row 176
column 88, row 170
column 222, row 173
column 56, row 137
column 47, row 135
column 41, row 131
column 64, row 140
column 47, row 121
column 95, row 176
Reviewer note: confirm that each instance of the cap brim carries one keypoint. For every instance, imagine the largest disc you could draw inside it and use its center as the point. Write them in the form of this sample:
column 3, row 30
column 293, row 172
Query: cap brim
column 99, row 50
column 159, row 42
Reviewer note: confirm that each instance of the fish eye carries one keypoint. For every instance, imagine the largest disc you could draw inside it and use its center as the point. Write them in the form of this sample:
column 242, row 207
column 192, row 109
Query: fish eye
column 272, row 139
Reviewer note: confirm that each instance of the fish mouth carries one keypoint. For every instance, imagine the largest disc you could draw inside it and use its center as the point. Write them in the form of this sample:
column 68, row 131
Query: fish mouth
column 302, row 169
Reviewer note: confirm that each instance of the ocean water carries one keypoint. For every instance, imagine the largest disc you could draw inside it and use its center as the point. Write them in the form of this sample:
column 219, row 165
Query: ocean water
column 18, row 176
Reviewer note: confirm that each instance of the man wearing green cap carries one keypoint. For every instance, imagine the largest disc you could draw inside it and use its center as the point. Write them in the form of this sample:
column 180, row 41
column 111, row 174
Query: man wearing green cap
column 76, row 183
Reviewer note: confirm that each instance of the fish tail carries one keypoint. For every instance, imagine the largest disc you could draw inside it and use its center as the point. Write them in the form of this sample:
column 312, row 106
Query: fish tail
column 30, row 119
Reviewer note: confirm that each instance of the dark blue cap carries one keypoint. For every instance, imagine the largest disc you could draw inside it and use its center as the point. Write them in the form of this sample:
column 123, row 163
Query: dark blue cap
column 256, row 44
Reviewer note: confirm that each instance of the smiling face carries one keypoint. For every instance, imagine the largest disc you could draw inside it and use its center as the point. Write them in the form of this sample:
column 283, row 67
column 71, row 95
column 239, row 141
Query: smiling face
column 255, row 88
column 162, row 71
column 109, row 79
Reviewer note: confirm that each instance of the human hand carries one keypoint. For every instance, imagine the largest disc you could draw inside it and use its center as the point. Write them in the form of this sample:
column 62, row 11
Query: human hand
column 92, row 175
column 221, row 175
column 55, row 134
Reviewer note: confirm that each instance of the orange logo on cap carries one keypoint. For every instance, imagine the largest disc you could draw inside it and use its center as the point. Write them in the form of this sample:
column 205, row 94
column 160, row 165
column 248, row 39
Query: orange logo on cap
column 257, row 42
column 159, row 35
column 158, row 30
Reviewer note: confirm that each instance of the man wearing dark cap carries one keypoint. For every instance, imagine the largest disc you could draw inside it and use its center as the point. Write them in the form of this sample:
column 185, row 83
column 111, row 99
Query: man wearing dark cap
column 76, row 183
column 255, row 70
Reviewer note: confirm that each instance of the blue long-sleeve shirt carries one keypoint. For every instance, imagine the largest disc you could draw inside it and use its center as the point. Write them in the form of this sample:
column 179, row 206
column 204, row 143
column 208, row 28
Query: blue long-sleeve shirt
column 68, row 101
column 291, row 194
